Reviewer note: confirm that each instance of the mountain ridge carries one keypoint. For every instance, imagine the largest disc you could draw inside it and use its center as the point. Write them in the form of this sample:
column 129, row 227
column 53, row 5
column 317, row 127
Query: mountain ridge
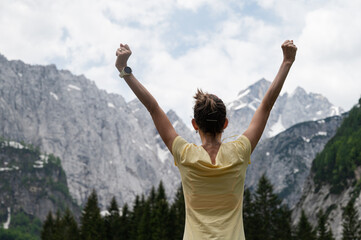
column 104, row 142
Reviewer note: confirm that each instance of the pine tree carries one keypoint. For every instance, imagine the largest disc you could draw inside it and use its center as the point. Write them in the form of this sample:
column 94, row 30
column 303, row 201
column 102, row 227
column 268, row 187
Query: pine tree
column 112, row 223
column 171, row 225
column 350, row 222
column 178, row 209
column 48, row 228
column 144, row 227
column 91, row 222
column 57, row 235
column 323, row 231
column 125, row 223
column 153, row 223
column 136, row 216
column 249, row 220
column 265, row 210
column 304, row 230
column 160, row 214
column 283, row 227
column 69, row 227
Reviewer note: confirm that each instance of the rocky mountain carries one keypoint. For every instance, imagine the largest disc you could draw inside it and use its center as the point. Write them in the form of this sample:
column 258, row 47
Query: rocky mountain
column 111, row 145
column 288, row 110
column 286, row 159
column 104, row 142
column 335, row 175
column 31, row 183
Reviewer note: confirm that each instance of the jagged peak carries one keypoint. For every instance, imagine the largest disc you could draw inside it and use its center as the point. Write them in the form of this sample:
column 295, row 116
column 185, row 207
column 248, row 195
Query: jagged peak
column 298, row 91
column 171, row 113
column 2, row 57
column 173, row 116
column 262, row 81
column 261, row 84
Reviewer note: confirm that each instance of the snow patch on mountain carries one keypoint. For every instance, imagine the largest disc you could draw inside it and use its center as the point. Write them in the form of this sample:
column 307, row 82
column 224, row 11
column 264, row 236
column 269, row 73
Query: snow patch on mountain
column 111, row 105
column 7, row 223
column 73, row 87
column 277, row 127
column 54, row 96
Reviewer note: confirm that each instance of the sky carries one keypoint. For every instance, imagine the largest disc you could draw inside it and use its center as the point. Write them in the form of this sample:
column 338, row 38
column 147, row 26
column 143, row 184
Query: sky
column 220, row 46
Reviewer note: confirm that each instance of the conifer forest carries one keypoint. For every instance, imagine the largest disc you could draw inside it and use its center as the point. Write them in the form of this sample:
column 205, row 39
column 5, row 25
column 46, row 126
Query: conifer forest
column 154, row 217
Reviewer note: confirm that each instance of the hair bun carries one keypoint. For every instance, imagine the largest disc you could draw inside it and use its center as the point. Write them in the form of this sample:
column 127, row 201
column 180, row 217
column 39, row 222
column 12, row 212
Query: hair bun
column 209, row 112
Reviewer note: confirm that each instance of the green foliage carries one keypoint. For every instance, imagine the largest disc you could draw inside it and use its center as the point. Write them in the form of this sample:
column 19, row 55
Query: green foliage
column 92, row 226
column 304, row 230
column 14, row 234
column 337, row 163
column 125, row 223
column 22, row 226
column 178, row 214
column 26, row 223
column 323, row 230
column 112, row 222
column 48, row 228
column 350, row 222
column 62, row 227
column 264, row 216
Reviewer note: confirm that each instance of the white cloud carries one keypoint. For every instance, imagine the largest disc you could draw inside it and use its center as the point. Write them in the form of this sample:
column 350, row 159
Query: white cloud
column 329, row 56
column 232, row 52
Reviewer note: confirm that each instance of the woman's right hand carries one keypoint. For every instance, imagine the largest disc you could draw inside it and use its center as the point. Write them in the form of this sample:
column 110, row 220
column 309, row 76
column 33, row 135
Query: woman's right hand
column 289, row 51
column 123, row 53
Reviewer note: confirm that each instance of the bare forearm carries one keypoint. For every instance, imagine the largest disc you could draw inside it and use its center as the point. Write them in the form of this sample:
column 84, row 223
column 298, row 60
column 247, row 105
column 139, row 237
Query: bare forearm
column 260, row 118
column 276, row 86
column 141, row 92
column 160, row 119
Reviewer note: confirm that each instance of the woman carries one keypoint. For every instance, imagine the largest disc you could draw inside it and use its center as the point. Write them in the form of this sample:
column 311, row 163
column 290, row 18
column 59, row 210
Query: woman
column 212, row 174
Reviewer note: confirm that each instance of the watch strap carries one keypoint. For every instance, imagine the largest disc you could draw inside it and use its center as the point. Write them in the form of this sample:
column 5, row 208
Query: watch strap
column 124, row 73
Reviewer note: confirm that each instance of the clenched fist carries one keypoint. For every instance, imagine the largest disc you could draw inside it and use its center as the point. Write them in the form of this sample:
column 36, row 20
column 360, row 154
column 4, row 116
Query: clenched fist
column 289, row 51
column 122, row 53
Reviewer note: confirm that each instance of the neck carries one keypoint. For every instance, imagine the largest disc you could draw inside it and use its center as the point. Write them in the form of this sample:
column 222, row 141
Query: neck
column 210, row 139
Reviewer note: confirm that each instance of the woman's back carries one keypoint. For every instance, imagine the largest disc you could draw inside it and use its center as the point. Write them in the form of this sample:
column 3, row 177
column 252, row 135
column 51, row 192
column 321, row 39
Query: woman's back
column 213, row 192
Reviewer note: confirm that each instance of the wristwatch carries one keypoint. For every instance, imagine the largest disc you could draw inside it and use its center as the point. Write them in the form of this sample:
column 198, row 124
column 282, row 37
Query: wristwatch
column 125, row 72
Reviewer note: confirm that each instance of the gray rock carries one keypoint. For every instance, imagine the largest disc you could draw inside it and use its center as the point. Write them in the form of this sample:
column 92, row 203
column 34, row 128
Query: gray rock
column 286, row 159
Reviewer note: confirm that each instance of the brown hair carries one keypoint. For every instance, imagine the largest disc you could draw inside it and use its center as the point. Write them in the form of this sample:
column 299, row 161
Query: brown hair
column 209, row 112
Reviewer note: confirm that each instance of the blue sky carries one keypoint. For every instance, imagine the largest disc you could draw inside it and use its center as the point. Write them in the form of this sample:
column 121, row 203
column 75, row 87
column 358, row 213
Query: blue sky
column 181, row 45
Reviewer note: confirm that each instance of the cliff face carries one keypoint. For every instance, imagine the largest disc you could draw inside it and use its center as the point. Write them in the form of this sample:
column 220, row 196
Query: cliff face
column 313, row 201
column 31, row 182
column 286, row 159
column 104, row 143
column 335, row 175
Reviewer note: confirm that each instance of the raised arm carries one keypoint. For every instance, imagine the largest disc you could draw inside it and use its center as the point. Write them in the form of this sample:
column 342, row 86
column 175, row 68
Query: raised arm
column 160, row 119
column 259, row 120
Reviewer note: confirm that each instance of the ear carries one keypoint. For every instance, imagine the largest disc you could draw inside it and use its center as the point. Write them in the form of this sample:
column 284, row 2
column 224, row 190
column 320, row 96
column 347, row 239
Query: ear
column 225, row 124
column 195, row 125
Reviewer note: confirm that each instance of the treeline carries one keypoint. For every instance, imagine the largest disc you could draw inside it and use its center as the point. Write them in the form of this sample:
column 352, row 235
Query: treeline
column 337, row 163
column 153, row 217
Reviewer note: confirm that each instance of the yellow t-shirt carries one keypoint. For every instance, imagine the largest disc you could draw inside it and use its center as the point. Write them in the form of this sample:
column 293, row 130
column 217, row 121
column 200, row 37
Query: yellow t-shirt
column 213, row 194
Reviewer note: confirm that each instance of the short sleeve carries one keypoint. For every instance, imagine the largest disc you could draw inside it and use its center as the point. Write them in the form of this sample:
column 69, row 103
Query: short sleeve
column 245, row 148
column 178, row 146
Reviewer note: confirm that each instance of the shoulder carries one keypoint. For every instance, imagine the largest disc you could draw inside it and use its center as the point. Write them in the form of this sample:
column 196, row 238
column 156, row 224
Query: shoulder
column 178, row 143
column 245, row 143
column 242, row 146
column 179, row 146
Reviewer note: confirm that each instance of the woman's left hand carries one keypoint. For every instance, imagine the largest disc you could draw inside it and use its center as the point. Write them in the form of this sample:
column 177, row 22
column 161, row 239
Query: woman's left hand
column 122, row 53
